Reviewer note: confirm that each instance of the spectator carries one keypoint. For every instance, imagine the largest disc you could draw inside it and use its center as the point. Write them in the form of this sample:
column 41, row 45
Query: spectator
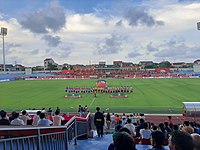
column 17, row 121
column 49, row 112
column 170, row 120
column 118, row 126
column 24, row 117
column 162, row 128
column 145, row 133
column 175, row 127
column 112, row 146
column 108, row 120
column 99, row 122
column 140, row 126
column 117, row 118
column 196, row 141
column 43, row 110
column 57, row 109
column 130, row 126
column 154, row 128
column 133, row 117
column 57, row 119
column 4, row 120
column 43, row 121
column 180, row 141
column 124, row 119
column 12, row 116
column 167, row 128
column 81, row 110
column 36, row 118
column 86, row 109
column 187, row 128
column 157, row 140
column 112, row 118
column 123, row 141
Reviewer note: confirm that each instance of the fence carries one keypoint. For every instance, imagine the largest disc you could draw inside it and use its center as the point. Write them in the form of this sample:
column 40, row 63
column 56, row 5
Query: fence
column 43, row 138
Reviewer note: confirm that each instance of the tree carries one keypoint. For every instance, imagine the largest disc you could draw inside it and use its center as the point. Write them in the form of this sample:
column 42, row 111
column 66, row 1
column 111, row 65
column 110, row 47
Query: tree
column 165, row 64
column 52, row 67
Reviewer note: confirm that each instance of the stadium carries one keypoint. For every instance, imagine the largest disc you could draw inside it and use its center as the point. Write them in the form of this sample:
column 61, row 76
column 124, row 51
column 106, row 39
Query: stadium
column 116, row 75
column 152, row 93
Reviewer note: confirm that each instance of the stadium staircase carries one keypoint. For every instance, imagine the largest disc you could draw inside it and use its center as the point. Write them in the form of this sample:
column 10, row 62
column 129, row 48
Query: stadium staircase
column 96, row 143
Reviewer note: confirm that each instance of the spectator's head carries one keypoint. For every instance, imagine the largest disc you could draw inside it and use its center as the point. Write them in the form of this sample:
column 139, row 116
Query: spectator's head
column 3, row 114
column 141, row 121
column 128, row 120
column 57, row 112
column 157, row 138
column 13, row 113
column 145, row 125
column 125, row 130
column 175, row 127
column 161, row 126
column 38, row 113
column 186, row 123
column 123, row 141
column 180, row 141
column 154, row 127
column 24, row 112
column 16, row 115
column 97, row 109
column 42, row 115
column 196, row 141
column 166, row 124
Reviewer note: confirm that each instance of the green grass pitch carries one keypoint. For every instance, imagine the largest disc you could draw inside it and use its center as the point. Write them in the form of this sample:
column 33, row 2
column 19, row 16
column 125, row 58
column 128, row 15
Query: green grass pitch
column 149, row 96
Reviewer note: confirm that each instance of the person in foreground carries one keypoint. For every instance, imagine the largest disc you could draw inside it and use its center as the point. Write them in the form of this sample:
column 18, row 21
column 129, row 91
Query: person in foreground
column 196, row 141
column 157, row 140
column 180, row 141
column 124, row 141
column 99, row 122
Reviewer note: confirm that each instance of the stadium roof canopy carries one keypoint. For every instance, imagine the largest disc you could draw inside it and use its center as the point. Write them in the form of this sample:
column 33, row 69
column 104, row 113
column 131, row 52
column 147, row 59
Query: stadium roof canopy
column 191, row 109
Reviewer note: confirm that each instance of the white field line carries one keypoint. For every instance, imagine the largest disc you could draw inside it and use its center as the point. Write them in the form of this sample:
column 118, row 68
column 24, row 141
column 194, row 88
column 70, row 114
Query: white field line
column 92, row 102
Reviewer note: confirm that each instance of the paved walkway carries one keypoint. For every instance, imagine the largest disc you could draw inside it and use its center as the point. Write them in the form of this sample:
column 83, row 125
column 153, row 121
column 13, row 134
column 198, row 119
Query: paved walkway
column 96, row 143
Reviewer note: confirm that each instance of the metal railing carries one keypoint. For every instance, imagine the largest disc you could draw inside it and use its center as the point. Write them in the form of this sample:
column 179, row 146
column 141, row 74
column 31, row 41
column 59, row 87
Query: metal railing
column 44, row 138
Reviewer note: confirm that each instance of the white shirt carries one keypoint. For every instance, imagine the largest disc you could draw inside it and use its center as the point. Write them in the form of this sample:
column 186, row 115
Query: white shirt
column 25, row 118
column 35, row 120
column 112, row 117
column 131, row 128
column 44, row 122
column 17, row 122
column 57, row 120
column 145, row 133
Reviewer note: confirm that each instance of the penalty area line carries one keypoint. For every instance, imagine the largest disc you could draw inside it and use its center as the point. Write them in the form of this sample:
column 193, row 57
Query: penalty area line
column 92, row 102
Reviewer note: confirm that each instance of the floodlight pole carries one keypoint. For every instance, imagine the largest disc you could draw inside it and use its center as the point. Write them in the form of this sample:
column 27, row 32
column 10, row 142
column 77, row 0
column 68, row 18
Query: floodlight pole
column 4, row 33
column 198, row 25
column 4, row 61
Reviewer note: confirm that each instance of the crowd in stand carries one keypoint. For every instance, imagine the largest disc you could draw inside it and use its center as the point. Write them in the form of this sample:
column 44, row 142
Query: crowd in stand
column 178, row 137
column 129, row 129
column 126, row 74
column 41, row 118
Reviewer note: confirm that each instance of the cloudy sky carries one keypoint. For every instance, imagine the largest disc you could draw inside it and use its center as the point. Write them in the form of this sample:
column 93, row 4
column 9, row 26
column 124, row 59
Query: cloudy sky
column 89, row 31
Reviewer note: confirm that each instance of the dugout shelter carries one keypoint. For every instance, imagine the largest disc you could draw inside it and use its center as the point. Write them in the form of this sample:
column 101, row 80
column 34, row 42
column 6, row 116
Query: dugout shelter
column 191, row 109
